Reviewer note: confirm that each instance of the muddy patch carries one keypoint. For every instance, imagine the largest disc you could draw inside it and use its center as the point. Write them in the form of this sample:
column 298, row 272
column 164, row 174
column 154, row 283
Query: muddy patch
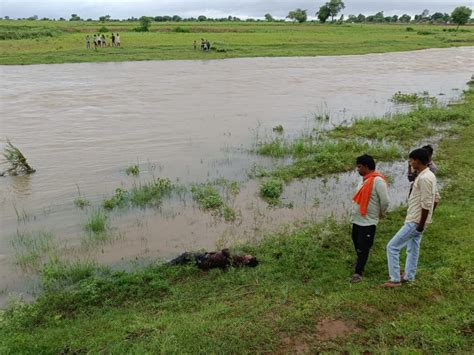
column 329, row 329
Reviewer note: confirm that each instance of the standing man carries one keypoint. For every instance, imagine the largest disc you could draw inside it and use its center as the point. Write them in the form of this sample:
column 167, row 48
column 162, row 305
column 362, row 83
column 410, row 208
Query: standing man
column 369, row 204
column 422, row 202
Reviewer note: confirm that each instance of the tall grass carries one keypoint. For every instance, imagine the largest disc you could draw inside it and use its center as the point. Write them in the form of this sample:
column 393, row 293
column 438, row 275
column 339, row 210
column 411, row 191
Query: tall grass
column 31, row 249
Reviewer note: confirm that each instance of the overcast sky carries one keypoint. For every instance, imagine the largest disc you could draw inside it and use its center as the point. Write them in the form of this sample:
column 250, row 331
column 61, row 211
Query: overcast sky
column 212, row 8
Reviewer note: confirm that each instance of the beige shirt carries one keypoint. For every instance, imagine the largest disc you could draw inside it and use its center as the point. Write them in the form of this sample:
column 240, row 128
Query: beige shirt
column 378, row 204
column 423, row 196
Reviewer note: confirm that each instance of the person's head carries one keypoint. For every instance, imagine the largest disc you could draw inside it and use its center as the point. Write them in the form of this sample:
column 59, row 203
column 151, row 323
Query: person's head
column 419, row 159
column 429, row 149
column 365, row 164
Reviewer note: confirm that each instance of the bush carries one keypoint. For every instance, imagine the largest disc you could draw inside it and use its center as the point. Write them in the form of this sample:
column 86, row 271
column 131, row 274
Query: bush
column 409, row 29
column 133, row 170
column 103, row 29
column 271, row 188
column 207, row 196
column 180, row 29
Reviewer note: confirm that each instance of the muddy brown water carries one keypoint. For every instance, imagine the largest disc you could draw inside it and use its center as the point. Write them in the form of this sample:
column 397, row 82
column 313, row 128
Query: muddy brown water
column 82, row 125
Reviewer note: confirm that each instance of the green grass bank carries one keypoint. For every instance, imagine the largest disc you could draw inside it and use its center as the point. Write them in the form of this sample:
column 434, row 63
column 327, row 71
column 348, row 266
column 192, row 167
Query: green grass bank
column 298, row 297
column 42, row 42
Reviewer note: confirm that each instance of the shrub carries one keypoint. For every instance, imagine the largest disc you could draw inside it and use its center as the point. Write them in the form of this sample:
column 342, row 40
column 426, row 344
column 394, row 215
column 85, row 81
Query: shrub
column 133, row 170
column 271, row 188
column 180, row 29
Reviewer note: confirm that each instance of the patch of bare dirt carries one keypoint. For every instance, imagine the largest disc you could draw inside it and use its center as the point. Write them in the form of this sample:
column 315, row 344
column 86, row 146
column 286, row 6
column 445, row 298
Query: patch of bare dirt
column 294, row 345
column 329, row 329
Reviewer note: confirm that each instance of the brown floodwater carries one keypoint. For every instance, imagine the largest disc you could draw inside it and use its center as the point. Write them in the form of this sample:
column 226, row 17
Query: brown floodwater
column 82, row 125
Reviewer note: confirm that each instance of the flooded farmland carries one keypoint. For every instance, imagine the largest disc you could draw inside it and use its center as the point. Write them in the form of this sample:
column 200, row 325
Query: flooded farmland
column 82, row 125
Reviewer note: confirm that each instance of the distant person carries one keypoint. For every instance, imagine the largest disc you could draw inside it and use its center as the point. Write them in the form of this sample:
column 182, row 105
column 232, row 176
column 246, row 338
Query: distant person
column 113, row 40
column 208, row 45
column 95, row 41
column 88, row 41
column 421, row 205
column 370, row 203
column 195, row 45
column 202, row 43
column 117, row 40
column 104, row 43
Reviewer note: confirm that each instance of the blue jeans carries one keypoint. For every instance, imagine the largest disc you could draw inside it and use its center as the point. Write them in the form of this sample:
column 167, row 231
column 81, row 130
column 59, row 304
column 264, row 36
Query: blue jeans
column 407, row 236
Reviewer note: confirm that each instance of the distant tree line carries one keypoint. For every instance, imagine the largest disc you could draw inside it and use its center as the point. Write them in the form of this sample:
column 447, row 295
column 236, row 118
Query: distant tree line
column 329, row 11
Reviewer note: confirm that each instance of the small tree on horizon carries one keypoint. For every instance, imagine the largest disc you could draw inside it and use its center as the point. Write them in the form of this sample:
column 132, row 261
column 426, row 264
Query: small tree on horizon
column 298, row 15
column 461, row 15
column 323, row 13
column 269, row 17
column 335, row 6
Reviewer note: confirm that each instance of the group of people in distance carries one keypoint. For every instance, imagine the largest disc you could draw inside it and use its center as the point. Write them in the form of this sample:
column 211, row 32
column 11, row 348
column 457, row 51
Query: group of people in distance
column 370, row 203
column 101, row 41
column 205, row 45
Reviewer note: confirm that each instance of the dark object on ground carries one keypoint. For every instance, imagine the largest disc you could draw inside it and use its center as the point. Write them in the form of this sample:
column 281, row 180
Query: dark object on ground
column 215, row 259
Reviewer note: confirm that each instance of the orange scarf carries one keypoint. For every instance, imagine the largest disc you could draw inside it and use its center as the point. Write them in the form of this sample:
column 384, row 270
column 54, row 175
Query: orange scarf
column 362, row 197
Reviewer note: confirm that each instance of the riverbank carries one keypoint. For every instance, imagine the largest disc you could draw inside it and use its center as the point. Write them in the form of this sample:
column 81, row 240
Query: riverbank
column 298, row 298
column 45, row 42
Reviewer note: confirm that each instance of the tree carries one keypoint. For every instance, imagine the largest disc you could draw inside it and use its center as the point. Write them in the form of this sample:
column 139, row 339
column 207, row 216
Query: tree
column 323, row 13
column 361, row 18
column 202, row 18
column 74, row 17
column 335, row 6
column 405, row 18
column 437, row 16
column 104, row 18
column 298, row 15
column 145, row 23
column 269, row 17
column 177, row 18
column 379, row 17
column 461, row 15
column 33, row 18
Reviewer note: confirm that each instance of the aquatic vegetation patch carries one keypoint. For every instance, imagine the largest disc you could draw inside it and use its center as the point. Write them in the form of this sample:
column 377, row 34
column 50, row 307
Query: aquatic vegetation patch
column 141, row 195
column 32, row 248
column 16, row 160
column 133, row 170
column 271, row 189
column 97, row 222
column 414, row 98
column 81, row 202
column 207, row 196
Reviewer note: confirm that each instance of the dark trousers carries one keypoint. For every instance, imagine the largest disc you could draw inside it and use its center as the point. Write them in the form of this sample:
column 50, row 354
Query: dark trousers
column 363, row 238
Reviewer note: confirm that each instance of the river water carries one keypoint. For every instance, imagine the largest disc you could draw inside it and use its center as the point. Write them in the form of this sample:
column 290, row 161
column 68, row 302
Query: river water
column 82, row 125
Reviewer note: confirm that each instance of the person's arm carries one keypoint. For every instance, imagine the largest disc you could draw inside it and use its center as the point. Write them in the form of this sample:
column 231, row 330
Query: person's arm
column 426, row 197
column 382, row 193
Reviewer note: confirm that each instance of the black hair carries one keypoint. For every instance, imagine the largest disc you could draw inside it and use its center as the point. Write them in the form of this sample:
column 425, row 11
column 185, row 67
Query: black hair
column 429, row 149
column 420, row 154
column 366, row 160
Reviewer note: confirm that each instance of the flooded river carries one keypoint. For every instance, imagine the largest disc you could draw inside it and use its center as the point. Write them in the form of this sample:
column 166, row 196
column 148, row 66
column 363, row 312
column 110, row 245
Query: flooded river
column 82, row 125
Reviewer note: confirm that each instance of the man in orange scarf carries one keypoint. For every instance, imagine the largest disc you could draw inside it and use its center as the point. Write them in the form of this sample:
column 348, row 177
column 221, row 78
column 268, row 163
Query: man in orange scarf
column 370, row 204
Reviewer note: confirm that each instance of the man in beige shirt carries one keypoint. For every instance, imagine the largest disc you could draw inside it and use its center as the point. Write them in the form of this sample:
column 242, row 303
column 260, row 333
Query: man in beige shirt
column 421, row 204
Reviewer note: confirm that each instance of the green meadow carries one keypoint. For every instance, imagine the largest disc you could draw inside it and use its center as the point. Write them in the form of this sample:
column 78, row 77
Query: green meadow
column 36, row 42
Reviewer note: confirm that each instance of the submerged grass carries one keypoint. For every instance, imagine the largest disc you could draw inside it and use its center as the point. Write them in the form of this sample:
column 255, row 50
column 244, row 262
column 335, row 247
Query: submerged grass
column 302, row 279
column 386, row 139
column 141, row 195
column 31, row 249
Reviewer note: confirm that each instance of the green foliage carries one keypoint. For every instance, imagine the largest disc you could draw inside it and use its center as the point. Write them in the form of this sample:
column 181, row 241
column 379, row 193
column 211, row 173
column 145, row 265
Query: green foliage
column 32, row 248
column 16, row 160
column 461, row 15
column 145, row 23
column 133, row 170
column 207, row 196
column 228, row 214
column 180, row 29
column 81, row 202
column 97, row 222
column 103, row 29
column 413, row 98
column 323, row 13
column 141, row 195
column 271, row 189
column 298, row 15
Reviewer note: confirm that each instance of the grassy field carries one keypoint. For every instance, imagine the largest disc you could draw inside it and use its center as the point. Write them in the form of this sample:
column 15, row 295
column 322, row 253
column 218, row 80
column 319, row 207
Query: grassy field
column 297, row 299
column 35, row 42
